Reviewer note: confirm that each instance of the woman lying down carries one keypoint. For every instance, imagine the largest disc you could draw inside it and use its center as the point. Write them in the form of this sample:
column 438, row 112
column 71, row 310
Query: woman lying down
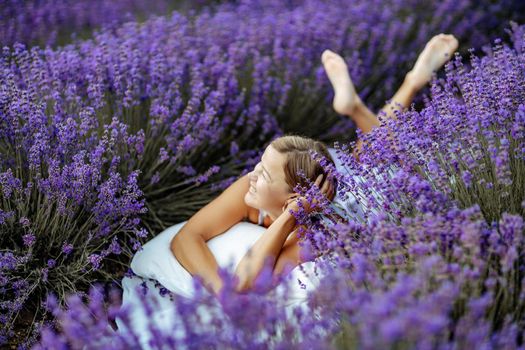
column 250, row 223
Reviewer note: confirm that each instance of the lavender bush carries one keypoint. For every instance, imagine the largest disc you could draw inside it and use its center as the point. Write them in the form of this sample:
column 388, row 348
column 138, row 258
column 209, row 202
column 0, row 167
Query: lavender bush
column 208, row 320
column 109, row 140
column 66, row 207
column 441, row 266
column 211, row 89
column 437, row 262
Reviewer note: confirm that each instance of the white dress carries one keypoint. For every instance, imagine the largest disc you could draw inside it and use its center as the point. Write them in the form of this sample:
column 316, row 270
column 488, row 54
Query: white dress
column 155, row 263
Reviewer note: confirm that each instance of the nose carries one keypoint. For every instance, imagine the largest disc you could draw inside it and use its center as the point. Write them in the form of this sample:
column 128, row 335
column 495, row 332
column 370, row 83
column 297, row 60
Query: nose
column 254, row 174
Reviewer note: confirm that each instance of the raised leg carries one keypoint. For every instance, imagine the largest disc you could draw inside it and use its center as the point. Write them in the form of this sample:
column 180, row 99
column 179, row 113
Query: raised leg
column 366, row 120
column 346, row 101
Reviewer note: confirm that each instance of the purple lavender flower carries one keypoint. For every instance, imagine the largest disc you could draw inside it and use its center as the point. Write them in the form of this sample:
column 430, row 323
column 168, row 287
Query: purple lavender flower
column 67, row 248
column 24, row 221
column 29, row 239
column 51, row 263
column 95, row 261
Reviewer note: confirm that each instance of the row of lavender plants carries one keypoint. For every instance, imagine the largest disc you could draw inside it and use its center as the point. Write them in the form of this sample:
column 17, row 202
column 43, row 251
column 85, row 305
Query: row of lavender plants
column 105, row 142
column 440, row 267
column 52, row 22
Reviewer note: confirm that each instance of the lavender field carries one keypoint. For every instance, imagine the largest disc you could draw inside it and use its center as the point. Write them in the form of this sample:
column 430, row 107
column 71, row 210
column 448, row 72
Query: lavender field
column 119, row 119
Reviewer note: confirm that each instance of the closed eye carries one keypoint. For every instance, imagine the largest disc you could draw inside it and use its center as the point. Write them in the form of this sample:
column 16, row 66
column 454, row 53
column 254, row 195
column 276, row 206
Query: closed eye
column 263, row 172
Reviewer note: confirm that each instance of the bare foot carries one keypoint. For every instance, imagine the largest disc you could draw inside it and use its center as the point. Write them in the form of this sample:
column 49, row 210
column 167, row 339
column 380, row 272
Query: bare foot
column 435, row 54
column 345, row 99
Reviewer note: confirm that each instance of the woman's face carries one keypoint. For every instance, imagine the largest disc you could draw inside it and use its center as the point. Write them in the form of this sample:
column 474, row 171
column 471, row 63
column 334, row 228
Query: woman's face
column 268, row 190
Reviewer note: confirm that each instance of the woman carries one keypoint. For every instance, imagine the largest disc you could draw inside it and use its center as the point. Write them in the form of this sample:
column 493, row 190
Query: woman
column 267, row 190
column 265, row 195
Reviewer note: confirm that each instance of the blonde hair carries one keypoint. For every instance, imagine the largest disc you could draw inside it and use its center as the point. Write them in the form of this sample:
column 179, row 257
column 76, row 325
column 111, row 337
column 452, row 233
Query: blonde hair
column 296, row 148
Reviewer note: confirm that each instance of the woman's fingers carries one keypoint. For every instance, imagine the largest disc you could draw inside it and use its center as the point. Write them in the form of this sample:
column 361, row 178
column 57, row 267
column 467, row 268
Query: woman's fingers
column 332, row 192
column 318, row 180
column 332, row 187
column 328, row 189
column 328, row 186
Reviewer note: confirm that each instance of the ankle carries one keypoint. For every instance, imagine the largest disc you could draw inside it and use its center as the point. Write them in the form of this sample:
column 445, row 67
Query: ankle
column 358, row 105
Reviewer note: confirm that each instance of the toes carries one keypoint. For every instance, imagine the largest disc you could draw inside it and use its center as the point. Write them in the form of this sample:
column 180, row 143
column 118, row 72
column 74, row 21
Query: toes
column 446, row 36
column 451, row 38
column 326, row 53
column 443, row 36
column 455, row 43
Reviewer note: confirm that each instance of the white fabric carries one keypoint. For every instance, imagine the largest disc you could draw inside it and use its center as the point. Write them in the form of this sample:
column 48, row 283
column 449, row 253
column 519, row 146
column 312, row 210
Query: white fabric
column 348, row 205
column 262, row 214
column 156, row 261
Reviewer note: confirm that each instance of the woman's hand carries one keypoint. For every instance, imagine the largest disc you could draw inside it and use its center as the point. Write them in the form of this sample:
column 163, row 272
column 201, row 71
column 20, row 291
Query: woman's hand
column 327, row 190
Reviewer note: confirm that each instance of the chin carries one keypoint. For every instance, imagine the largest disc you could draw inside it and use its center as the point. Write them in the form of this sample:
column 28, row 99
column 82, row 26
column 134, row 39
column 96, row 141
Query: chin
column 252, row 200
column 248, row 199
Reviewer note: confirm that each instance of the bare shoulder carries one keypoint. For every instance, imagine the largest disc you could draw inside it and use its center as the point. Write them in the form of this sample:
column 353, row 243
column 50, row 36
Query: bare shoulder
column 221, row 213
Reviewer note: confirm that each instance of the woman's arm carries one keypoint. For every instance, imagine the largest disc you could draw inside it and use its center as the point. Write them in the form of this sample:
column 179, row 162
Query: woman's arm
column 193, row 254
column 290, row 256
column 268, row 245
column 189, row 245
